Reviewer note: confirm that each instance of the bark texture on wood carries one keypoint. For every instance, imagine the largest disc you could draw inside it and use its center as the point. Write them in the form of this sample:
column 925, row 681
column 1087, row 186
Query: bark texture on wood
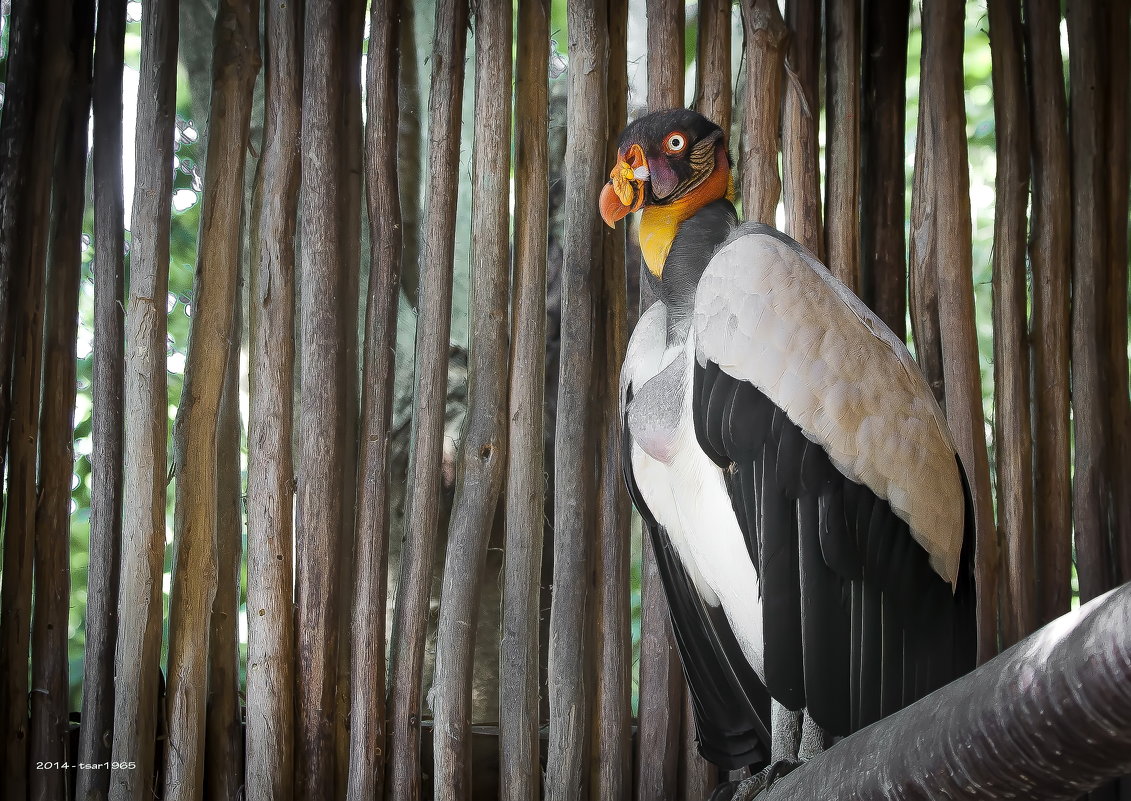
column 666, row 31
column 318, row 513
column 269, row 749
column 612, row 725
column 409, row 152
column 367, row 728
column 93, row 784
column 29, row 259
column 49, row 695
column 571, row 652
column 801, row 174
column 215, row 292
column 1049, row 255
column 942, row 102
column 525, row 480
column 422, row 507
column 1048, row 719
column 1091, row 490
column 138, row 649
column 767, row 39
column 842, row 186
column 883, row 266
column 698, row 777
column 923, row 297
column 1012, row 422
column 712, row 63
column 483, row 459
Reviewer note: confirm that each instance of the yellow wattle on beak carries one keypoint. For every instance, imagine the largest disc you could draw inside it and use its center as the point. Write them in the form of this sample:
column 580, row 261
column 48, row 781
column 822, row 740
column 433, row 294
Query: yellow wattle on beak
column 624, row 193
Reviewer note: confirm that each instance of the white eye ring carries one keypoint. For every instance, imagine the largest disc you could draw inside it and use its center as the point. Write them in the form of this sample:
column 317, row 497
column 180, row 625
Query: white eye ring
column 676, row 143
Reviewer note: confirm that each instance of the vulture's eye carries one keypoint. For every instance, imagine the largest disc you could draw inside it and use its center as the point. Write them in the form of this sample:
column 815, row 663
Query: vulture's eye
column 675, row 143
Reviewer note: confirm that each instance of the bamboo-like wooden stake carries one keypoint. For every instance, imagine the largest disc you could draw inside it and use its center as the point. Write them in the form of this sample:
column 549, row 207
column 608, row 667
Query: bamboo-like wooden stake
column 215, row 292
column 433, row 329
column 350, row 167
column 318, row 522
column 801, row 173
column 842, row 185
column 269, row 750
column 571, row 653
column 1050, row 254
column 611, row 773
column 1091, row 488
column 1012, row 422
column 883, row 266
column 367, row 729
column 1116, row 25
column 766, row 41
column 409, row 146
column 698, row 777
column 49, row 688
column 146, row 403
column 942, row 102
column 519, row 770
column 19, row 525
column 483, row 452
column 93, row 783
column 661, row 679
column 224, row 738
column 712, row 63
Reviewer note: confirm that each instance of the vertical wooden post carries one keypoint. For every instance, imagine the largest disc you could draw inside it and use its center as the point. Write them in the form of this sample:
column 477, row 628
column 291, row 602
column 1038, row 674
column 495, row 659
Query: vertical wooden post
column 269, row 751
column 612, row 726
column 1050, row 254
column 712, row 63
column 941, row 102
column 661, row 679
column 570, row 657
column 842, row 187
column 409, row 152
column 1091, row 489
column 432, row 339
column 801, row 112
column 50, row 702
column 1012, row 423
column 318, row 513
column 766, row 42
column 483, row 457
column 367, row 688
column 883, row 266
column 525, row 481
column 93, row 784
column 138, row 650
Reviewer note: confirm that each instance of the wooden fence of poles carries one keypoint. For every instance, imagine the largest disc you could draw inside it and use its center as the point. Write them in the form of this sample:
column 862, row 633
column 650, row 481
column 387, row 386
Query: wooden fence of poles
column 336, row 700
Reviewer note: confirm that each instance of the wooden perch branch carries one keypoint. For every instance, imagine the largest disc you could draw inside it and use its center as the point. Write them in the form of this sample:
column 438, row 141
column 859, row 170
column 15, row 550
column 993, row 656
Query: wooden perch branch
column 1048, row 719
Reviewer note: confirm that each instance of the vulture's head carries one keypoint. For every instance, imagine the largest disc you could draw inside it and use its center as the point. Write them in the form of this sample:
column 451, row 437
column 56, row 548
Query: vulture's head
column 675, row 158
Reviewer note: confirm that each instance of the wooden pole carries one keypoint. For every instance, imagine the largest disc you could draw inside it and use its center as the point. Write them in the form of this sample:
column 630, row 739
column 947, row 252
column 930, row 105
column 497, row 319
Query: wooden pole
column 1013, row 435
column 318, row 517
column 104, row 549
column 483, row 452
column 269, row 750
column 801, row 174
column 1050, row 255
column 883, row 265
column 941, row 102
column 422, row 508
column 50, row 702
column 766, row 41
column 409, row 146
column 712, row 63
column 842, row 185
column 922, row 290
column 146, row 405
column 367, row 729
column 571, row 657
column 525, row 480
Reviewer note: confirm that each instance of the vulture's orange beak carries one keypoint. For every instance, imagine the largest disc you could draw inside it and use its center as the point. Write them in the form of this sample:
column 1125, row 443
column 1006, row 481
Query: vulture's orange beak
column 624, row 193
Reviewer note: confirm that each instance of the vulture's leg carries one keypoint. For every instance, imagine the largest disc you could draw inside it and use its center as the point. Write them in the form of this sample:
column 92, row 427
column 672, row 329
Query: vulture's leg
column 785, row 732
column 814, row 740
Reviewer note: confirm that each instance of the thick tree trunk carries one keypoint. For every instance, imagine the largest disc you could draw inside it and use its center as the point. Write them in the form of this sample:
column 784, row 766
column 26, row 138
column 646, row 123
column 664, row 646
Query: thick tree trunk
column 146, row 410
column 842, row 186
column 1013, row 436
column 712, row 64
column 801, row 112
column 483, row 452
column 269, row 751
column 767, row 39
column 571, row 614
column 525, row 483
column 422, row 509
column 93, row 784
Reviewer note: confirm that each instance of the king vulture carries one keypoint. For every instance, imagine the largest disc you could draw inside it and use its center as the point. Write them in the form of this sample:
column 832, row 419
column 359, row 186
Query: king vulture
column 810, row 518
